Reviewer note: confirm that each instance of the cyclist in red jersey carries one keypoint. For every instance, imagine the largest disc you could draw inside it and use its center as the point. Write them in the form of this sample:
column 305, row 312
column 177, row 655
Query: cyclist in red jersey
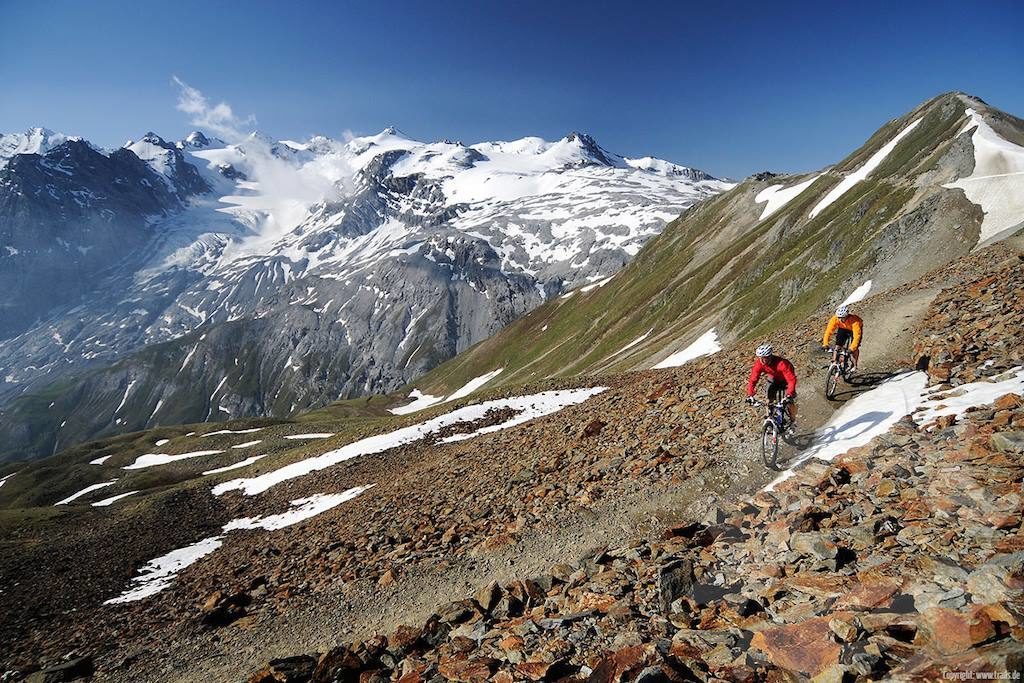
column 781, row 376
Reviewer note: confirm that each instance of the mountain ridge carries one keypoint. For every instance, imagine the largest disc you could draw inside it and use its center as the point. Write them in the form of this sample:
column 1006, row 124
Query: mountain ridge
column 478, row 234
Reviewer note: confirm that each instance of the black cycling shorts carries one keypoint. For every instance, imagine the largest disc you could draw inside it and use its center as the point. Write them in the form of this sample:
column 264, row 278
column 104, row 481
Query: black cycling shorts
column 844, row 337
column 777, row 390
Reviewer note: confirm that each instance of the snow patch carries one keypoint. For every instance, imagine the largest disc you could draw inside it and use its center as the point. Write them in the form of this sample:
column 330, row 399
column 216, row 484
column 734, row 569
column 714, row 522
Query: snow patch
column 302, row 509
column 248, row 444
column 313, row 435
column 161, row 442
column 857, row 294
column 863, row 172
column 3, row 479
column 537, row 404
column 154, row 459
column 636, row 341
column 862, row 419
column 235, row 466
column 956, row 401
column 101, row 460
column 420, row 401
column 777, row 196
column 472, row 385
column 704, row 345
column 86, row 490
column 159, row 573
column 231, row 431
column 113, row 499
column 997, row 182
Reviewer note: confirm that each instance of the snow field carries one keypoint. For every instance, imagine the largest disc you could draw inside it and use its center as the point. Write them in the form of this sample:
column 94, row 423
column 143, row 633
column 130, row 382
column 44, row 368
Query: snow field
column 997, row 182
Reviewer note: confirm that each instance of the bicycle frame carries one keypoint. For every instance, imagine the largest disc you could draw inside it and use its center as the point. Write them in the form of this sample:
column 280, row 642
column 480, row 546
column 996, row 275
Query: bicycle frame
column 841, row 357
column 775, row 411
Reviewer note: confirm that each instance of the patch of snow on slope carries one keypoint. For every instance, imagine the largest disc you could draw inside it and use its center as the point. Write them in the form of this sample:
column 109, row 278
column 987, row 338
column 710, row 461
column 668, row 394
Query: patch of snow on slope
column 113, row 499
column 423, row 401
column 858, row 294
column 302, row 509
column 231, row 431
column 401, row 437
column 704, row 345
column 125, row 397
column 420, row 401
column 997, row 182
column 862, row 419
column 777, row 196
column 86, row 490
column 161, row 442
column 636, row 341
column 314, row 435
column 956, row 401
column 472, row 385
column 863, row 172
column 159, row 573
column 235, row 466
column 3, row 479
column 248, row 444
column 154, row 459
column 529, row 407
column 595, row 285
column 100, row 460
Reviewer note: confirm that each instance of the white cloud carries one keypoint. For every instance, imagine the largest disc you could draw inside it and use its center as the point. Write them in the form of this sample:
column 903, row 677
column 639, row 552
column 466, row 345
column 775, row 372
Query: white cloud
column 219, row 119
column 280, row 191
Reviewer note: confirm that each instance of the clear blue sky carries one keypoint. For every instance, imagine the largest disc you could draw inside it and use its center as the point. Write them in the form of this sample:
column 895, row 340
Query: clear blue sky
column 729, row 87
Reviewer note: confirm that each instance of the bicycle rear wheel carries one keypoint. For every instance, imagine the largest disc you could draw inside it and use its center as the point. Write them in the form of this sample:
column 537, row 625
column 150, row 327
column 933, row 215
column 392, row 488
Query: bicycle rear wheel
column 770, row 444
column 832, row 382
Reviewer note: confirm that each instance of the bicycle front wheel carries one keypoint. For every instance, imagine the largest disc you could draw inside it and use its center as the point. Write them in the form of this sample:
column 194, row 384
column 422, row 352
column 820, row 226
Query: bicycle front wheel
column 770, row 445
column 832, row 382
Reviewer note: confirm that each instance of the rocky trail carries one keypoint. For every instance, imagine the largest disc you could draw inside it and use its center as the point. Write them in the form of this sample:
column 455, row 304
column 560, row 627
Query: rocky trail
column 568, row 515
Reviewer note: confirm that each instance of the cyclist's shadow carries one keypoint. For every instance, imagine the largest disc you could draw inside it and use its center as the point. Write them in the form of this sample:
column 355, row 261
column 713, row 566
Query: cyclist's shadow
column 821, row 438
column 859, row 383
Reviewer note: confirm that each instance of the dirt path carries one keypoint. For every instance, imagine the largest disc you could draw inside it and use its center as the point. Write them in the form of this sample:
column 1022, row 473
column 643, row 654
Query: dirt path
column 351, row 611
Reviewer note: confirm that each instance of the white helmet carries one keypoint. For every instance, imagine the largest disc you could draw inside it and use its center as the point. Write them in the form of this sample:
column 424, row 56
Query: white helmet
column 764, row 350
column 843, row 311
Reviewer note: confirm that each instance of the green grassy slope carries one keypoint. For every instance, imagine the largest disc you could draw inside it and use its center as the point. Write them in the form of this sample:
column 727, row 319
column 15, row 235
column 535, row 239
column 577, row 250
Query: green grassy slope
column 719, row 265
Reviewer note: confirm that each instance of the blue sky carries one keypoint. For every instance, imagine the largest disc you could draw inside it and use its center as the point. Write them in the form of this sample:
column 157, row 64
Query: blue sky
column 729, row 87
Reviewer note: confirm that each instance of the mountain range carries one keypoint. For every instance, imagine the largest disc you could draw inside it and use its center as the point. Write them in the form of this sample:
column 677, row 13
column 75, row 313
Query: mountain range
column 168, row 282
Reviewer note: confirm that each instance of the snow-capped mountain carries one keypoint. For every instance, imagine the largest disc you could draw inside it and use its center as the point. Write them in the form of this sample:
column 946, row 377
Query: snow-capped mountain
column 32, row 141
column 267, row 276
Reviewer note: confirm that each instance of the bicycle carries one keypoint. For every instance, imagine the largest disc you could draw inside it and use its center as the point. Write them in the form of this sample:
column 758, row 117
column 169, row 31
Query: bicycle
column 776, row 422
column 841, row 366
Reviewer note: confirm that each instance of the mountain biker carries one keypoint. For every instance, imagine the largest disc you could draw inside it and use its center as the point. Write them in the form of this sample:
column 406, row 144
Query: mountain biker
column 782, row 379
column 848, row 329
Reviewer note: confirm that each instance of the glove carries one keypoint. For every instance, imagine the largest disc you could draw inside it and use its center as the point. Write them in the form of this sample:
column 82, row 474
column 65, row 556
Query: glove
column 751, row 400
column 786, row 401
column 825, row 349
